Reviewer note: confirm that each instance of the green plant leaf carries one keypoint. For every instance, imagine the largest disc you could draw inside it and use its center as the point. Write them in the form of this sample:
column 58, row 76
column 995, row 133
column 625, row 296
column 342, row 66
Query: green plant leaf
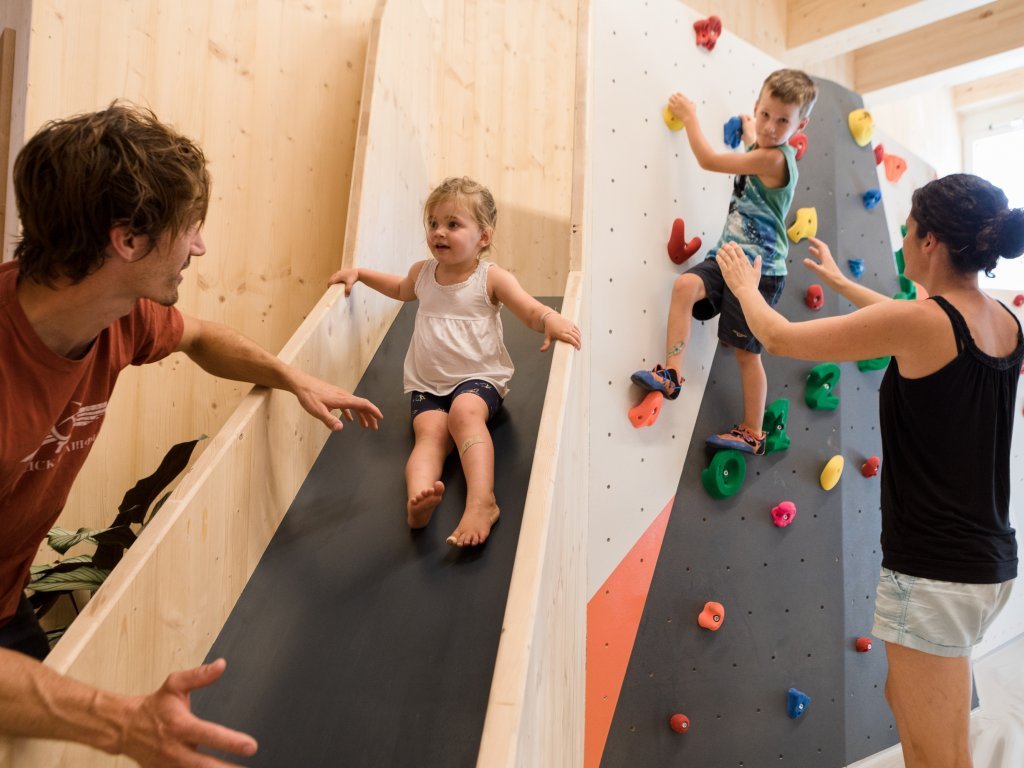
column 111, row 545
column 83, row 577
column 67, row 564
column 138, row 498
column 62, row 539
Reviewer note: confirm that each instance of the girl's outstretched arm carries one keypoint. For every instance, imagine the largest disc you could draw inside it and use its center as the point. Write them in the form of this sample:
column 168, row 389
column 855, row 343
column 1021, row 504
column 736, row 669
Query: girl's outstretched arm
column 393, row 286
column 503, row 287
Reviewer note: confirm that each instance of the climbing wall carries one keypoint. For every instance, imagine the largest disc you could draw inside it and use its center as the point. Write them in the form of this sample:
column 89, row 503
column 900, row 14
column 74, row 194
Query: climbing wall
column 795, row 598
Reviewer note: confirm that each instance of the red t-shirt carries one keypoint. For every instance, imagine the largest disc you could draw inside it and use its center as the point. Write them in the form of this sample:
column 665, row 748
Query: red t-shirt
column 51, row 409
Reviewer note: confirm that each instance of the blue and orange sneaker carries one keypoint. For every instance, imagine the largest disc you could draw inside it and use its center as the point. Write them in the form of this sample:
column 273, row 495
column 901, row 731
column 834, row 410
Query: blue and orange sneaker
column 664, row 380
column 740, row 439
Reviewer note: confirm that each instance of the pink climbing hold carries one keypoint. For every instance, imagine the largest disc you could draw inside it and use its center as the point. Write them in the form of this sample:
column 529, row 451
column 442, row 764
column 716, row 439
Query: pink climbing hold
column 679, row 723
column 879, row 154
column 870, row 467
column 799, row 142
column 678, row 249
column 783, row 514
column 863, row 644
column 815, row 298
column 646, row 412
column 708, row 31
column 1018, row 300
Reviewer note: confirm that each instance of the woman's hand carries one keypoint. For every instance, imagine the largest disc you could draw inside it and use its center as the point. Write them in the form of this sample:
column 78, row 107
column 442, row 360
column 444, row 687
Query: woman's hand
column 736, row 268
column 825, row 267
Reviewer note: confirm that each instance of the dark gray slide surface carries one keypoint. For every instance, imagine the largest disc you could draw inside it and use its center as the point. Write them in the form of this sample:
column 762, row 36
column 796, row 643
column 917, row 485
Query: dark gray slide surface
column 358, row 642
column 795, row 598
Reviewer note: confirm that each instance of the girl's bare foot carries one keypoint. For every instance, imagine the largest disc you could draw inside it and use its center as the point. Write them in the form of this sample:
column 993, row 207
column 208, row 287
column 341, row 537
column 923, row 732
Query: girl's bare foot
column 421, row 506
column 475, row 525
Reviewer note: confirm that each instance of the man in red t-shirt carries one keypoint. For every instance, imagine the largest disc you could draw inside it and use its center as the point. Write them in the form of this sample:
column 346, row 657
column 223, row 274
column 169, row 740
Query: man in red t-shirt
column 111, row 206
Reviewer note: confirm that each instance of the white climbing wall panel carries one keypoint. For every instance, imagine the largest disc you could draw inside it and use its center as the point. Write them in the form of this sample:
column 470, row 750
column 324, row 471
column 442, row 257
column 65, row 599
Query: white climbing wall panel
column 644, row 176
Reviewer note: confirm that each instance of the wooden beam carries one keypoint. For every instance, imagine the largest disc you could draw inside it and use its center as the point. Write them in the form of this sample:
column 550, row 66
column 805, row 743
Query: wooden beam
column 991, row 33
column 989, row 91
column 821, row 29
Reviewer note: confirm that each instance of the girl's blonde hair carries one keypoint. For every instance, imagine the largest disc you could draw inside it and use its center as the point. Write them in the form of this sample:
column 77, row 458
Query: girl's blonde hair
column 471, row 195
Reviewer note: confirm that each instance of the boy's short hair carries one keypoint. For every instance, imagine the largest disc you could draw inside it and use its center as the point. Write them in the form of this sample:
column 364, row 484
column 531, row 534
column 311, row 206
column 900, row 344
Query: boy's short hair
column 78, row 177
column 792, row 86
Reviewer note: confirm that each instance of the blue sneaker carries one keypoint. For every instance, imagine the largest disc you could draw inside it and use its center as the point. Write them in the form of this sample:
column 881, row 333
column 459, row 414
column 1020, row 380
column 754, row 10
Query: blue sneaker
column 664, row 380
column 739, row 439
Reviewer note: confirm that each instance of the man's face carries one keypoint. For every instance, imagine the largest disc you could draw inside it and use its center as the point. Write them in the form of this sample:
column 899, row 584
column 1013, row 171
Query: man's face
column 164, row 264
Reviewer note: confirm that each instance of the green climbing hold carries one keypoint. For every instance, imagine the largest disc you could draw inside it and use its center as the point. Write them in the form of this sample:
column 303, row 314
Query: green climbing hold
column 903, row 230
column 907, row 286
column 900, row 264
column 821, row 384
column 724, row 475
column 874, row 364
column 774, row 426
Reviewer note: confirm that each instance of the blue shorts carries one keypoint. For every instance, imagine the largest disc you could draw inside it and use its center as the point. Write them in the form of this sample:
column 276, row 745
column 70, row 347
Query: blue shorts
column 943, row 618
column 427, row 401
column 719, row 300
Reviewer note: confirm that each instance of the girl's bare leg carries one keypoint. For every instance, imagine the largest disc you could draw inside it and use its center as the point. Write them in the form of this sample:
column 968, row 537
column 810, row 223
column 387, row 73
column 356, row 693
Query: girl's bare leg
column 467, row 424
column 423, row 469
column 687, row 290
column 755, row 389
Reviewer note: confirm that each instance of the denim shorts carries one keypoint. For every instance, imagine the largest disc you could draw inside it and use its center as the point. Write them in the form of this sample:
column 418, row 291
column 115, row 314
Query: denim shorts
column 719, row 300
column 943, row 618
column 428, row 401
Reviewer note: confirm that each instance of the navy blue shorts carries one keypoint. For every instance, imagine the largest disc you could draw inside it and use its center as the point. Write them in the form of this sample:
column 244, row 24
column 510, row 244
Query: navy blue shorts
column 732, row 325
column 427, row 401
column 23, row 634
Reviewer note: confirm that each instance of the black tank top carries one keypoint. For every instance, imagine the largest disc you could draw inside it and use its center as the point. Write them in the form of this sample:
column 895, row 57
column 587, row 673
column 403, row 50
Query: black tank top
column 946, row 464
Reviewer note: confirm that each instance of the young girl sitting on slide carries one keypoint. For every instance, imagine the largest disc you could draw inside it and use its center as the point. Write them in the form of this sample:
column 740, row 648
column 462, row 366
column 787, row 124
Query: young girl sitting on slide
column 457, row 367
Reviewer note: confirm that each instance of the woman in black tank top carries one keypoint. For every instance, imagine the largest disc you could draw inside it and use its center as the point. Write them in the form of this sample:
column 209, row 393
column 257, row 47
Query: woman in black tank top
column 946, row 416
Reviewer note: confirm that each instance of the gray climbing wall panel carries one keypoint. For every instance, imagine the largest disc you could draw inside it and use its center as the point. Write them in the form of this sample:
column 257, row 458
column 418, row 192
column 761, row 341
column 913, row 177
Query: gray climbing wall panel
column 795, row 598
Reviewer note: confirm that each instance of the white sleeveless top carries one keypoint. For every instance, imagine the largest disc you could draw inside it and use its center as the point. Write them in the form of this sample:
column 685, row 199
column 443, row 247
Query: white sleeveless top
column 457, row 335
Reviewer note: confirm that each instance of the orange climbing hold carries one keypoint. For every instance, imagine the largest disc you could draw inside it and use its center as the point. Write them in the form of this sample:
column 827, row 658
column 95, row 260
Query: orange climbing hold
column 712, row 616
column 646, row 412
column 895, row 167
column 678, row 249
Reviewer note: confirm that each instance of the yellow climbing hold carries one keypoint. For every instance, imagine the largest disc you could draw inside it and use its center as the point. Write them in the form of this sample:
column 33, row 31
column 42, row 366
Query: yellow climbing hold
column 806, row 225
column 862, row 126
column 671, row 120
column 832, row 472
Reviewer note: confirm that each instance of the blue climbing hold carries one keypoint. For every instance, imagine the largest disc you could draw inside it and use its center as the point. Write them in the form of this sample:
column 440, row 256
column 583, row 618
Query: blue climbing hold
column 732, row 132
column 856, row 267
column 796, row 703
column 872, row 197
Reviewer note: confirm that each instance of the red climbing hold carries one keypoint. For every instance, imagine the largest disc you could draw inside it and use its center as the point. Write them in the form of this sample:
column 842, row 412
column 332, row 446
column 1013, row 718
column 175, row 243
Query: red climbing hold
column 708, row 31
column 679, row 723
column 870, row 467
column 783, row 514
column 879, row 154
column 1018, row 300
column 712, row 616
column 895, row 166
column 799, row 142
column 678, row 249
column 646, row 412
column 863, row 644
column 815, row 298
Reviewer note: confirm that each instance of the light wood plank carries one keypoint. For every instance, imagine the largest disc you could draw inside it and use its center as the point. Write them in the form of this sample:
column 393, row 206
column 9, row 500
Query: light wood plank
column 989, row 91
column 990, row 33
column 817, row 29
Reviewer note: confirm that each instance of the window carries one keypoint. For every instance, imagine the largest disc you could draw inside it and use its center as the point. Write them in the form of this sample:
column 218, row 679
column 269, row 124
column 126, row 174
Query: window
column 994, row 150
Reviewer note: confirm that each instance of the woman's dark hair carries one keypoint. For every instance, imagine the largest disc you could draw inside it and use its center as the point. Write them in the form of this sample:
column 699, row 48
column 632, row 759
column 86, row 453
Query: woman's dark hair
column 972, row 217
column 77, row 178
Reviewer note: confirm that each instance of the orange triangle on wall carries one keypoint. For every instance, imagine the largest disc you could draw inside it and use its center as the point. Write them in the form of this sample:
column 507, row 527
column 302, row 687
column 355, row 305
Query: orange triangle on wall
column 613, row 618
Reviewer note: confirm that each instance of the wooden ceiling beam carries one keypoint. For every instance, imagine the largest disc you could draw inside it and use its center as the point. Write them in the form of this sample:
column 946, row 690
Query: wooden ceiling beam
column 977, row 43
column 822, row 29
column 989, row 91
